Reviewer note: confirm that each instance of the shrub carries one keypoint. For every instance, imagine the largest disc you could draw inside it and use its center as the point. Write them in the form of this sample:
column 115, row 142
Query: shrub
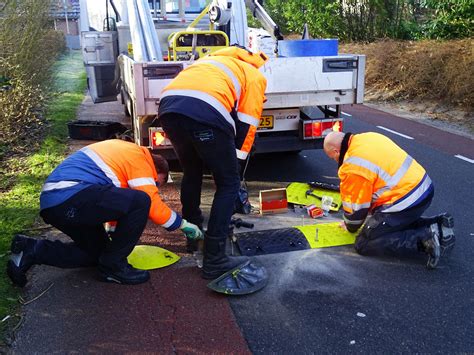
column 29, row 49
column 450, row 19
column 427, row 70
column 20, row 115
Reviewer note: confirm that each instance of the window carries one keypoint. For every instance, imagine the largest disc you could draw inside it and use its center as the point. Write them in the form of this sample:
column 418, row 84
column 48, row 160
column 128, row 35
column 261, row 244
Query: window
column 190, row 6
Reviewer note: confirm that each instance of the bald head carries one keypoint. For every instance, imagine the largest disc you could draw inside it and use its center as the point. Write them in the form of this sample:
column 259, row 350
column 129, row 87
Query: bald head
column 332, row 145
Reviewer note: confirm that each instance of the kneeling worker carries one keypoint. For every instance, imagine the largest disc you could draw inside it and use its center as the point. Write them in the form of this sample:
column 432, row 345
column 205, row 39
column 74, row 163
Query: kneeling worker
column 106, row 181
column 381, row 179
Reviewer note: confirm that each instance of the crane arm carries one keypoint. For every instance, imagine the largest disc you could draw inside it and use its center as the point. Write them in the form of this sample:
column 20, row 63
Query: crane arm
column 260, row 14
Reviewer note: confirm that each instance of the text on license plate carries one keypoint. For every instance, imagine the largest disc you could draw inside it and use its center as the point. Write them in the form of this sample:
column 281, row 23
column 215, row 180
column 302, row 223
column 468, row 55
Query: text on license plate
column 266, row 122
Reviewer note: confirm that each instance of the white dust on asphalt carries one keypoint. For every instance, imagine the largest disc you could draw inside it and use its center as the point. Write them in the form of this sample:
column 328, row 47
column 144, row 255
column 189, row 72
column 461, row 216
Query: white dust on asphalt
column 313, row 270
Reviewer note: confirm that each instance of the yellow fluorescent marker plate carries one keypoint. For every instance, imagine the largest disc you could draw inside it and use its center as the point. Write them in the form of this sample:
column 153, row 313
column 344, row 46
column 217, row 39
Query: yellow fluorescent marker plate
column 147, row 257
column 327, row 235
column 296, row 193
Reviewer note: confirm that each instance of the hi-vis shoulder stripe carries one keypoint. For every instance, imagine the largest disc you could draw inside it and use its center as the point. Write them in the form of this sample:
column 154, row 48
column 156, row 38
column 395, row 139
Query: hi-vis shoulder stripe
column 356, row 206
column 226, row 70
column 390, row 181
column 141, row 182
column 58, row 185
column 395, row 179
column 412, row 198
column 348, row 221
column 241, row 154
column 101, row 164
column 211, row 100
column 170, row 220
column 369, row 166
column 253, row 121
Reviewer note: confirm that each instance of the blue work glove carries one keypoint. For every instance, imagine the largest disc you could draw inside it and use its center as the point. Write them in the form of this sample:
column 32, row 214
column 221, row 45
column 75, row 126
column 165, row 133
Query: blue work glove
column 191, row 231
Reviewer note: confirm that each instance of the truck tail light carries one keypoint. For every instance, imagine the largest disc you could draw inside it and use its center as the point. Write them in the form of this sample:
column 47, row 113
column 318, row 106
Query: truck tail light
column 318, row 128
column 158, row 138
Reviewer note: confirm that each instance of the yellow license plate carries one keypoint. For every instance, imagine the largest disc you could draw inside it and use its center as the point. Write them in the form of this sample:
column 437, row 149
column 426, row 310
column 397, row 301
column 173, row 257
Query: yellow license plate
column 266, row 122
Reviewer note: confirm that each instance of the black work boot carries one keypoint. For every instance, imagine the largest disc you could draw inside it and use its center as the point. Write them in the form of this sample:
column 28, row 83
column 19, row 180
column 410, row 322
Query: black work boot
column 216, row 262
column 446, row 228
column 126, row 275
column 22, row 258
column 431, row 247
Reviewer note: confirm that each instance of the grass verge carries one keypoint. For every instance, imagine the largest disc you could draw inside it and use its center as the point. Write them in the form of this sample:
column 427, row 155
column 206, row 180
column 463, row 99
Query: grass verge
column 19, row 204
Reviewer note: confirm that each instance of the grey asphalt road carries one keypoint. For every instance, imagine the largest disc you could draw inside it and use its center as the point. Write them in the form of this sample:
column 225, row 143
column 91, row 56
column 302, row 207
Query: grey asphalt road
column 335, row 301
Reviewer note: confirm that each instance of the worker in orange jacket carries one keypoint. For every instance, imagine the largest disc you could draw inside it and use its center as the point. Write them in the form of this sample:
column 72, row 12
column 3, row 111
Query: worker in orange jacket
column 211, row 112
column 387, row 189
column 106, row 181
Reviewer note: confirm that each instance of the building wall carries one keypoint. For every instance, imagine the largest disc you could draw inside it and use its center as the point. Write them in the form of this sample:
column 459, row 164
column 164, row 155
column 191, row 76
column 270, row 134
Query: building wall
column 73, row 42
column 73, row 26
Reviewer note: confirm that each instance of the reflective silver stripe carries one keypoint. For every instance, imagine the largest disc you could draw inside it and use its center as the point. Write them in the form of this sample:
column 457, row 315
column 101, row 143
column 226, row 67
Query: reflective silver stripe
column 402, row 170
column 101, row 164
column 141, row 182
column 369, row 166
column 171, row 220
column 395, row 179
column 109, row 227
column 390, row 181
column 412, row 198
column 226, row 70
column 58, row 185
column 356, row 206
column 253, row 121
column 211, row 100
column 241, row 154
column 379, row 192
column 348, row 221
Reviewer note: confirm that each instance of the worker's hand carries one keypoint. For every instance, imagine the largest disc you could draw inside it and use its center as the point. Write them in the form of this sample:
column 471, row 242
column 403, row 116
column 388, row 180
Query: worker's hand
column 191, row 231
column 343, row 225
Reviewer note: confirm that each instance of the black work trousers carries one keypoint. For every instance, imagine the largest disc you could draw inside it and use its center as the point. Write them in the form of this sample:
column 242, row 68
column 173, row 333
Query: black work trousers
column 395, row 234
column 81, row 217
column 198, row 145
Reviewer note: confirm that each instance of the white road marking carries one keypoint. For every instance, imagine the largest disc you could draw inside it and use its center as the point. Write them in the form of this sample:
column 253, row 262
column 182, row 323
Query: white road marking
column 342, row 113
column 464, row 158
column 395, row 132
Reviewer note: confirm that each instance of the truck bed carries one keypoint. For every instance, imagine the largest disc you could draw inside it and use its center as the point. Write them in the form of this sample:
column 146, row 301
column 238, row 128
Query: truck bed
column 291, row 82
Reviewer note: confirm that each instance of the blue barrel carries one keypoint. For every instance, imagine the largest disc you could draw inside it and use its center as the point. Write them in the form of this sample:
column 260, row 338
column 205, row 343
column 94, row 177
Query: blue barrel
column 307, row 47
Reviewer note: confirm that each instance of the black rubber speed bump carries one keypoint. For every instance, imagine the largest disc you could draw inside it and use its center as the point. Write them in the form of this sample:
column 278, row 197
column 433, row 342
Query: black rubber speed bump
column 244, row 279
column 271, row 241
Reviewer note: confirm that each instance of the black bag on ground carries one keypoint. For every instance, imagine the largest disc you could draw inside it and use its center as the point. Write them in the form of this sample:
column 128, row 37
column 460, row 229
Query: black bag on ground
column 242, row 203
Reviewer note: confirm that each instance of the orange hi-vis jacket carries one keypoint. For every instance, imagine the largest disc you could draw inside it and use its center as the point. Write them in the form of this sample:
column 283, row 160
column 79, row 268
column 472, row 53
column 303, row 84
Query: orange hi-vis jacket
column 378, row 174
column 229, row 81
column 111, row 162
